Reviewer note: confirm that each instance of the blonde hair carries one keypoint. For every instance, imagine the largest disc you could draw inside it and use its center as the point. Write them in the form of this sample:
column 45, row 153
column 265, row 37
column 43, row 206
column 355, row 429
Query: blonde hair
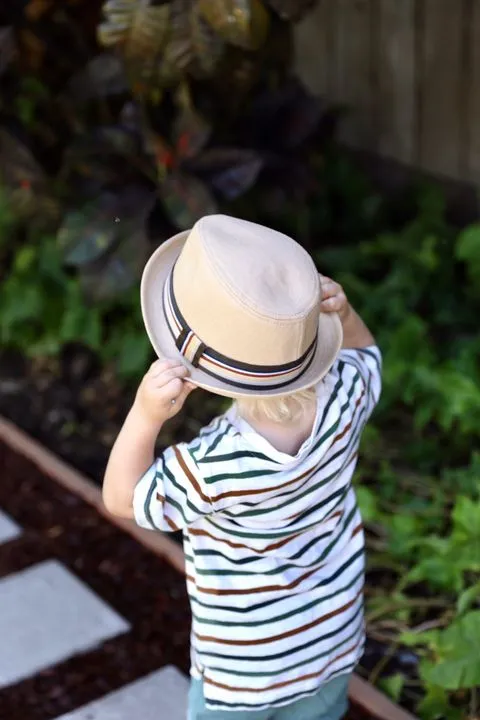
column 280, row 409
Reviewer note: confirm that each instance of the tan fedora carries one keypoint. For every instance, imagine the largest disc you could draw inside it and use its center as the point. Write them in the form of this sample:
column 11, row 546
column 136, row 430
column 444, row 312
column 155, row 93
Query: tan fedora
column 239, row 304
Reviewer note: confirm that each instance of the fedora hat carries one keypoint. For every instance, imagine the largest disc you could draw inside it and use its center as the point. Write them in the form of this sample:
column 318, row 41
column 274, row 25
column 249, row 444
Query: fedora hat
column 239, row 305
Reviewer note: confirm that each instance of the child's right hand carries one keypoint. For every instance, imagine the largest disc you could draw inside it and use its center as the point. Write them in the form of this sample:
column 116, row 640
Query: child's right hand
column 333, row 298
column 163, row 391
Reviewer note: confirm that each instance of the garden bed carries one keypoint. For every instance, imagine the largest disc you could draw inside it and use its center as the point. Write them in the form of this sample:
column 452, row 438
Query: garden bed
column 63, row 518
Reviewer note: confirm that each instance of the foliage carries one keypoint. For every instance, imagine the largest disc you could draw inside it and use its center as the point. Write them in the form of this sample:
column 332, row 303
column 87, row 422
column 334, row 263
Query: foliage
column 108, row 152
column 158, row 114
column 416, row 283
column 43, row 308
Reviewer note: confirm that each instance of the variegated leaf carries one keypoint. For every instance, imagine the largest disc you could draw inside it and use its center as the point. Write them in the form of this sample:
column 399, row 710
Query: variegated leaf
column 229, row 171
column 239, row 22
column 24, row 181
column 207, row 45
column 178, row 53
column 186, row 199
column 102, row 76
column 140, row 31
column 190, row 133
column 90, row 232
column 122, row 268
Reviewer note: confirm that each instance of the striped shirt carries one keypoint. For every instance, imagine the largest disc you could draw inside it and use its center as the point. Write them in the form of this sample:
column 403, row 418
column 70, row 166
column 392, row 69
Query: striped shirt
column 273, row 543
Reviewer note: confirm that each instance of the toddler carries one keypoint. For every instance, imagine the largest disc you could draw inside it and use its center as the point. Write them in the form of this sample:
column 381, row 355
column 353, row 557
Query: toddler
column 273, row 537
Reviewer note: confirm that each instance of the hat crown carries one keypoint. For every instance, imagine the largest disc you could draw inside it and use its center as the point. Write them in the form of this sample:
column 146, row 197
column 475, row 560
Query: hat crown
column 267, row 271
column 248, row 292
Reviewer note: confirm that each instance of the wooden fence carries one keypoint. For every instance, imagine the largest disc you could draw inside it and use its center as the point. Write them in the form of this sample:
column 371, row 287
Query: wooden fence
column 409, row 70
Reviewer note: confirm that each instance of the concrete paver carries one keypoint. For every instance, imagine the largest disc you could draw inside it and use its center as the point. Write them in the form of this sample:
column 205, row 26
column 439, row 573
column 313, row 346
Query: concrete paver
column 8, row 528
column 162, row 695
column 47, row 615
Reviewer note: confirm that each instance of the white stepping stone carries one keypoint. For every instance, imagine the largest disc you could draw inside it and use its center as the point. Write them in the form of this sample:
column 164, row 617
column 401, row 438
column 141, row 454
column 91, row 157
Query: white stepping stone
column 162, row 695
column 46, row 616
column 8, row 528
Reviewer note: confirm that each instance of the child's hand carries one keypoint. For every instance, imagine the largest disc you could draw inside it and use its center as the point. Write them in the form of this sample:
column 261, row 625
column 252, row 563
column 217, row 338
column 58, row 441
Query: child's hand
column 333, row 298
column 163, row 391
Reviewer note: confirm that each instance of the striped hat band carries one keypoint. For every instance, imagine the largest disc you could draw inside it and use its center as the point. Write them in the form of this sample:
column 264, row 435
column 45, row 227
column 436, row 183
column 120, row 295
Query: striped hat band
column 232, row 372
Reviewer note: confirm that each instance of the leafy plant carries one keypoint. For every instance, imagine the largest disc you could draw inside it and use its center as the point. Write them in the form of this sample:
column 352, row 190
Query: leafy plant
column 146, row 118
column 450, row 663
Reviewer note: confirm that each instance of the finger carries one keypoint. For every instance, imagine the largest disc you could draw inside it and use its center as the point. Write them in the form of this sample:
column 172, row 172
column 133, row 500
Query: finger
column 329, row 289
column 160, row 366
column 172, row 391
column 332, row 304
column 178, row 401
column 163, row 378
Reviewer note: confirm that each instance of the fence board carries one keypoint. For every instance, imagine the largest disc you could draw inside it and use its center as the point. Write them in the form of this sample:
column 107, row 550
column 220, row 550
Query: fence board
column 410, row 72
column 395, row 104
column 440, row 87
column 352, row 70
column 313, row 49
column 474, row 96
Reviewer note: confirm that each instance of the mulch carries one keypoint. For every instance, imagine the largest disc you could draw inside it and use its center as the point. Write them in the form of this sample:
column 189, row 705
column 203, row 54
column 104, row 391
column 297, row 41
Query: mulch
column 143, row 588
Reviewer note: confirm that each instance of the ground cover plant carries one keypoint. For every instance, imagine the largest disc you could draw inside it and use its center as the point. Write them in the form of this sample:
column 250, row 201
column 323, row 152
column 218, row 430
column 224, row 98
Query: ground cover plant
column 90, row 180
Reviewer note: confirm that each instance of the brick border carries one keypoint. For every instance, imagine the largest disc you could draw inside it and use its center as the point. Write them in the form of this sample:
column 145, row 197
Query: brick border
column 361, row 692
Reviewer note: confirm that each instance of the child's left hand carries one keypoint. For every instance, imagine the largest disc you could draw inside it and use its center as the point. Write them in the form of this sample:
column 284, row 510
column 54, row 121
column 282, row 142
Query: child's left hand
column 163, row 391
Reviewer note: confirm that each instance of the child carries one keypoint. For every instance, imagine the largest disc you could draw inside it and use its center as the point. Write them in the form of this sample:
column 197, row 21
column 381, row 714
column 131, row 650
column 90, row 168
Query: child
column 272, row 533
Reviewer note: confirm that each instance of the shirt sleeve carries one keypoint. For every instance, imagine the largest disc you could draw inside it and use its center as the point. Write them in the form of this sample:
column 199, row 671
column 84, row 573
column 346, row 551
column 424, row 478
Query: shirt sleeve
column 364, row 365
column 172, row 494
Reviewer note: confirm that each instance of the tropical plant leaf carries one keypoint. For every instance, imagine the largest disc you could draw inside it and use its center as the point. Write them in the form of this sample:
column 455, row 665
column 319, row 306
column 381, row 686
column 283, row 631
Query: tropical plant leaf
column 192, row 46
column 121, row 268
column 140, row 31
column 240, row 22
column 24, row 181
column 7, row 48
column 178, row 52
column 190, row 133
column 208, row 46
column 292, row 10
column 130, row 116
column 102, row 76
column 106, row 140
column 186, row 199
column 18, row 167
column 230, row 171
column 90, row 232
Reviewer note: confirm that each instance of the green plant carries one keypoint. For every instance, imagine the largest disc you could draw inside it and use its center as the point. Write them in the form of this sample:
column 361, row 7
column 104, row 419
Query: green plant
column 451, row 662
column 43, row 308
column 159, row 116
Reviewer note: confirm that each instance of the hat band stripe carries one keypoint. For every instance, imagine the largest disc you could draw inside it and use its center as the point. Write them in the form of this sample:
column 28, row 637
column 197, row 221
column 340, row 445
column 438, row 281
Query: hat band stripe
column 232, row 372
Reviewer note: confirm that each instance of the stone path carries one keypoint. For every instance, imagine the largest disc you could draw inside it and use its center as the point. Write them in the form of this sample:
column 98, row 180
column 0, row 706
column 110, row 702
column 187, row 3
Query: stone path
column 8, row 529
column 161, row 694
column 48, row 615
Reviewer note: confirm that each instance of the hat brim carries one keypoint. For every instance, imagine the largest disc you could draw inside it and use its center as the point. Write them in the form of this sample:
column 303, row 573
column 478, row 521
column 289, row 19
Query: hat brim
column 153, row 280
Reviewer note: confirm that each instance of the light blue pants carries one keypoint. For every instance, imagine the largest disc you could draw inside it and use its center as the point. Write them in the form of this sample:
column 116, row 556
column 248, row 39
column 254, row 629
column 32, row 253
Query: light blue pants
column 329, row 703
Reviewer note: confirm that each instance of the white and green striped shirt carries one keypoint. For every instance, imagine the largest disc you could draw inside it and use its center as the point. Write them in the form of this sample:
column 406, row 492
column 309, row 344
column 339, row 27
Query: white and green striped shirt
column 274, row 545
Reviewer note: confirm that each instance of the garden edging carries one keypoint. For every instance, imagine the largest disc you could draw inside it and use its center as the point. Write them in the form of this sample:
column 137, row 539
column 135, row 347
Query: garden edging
column 362, row 693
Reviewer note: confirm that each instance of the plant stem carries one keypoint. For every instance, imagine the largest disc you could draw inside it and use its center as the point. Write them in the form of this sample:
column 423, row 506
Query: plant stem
column 382, row 663
column 473, row 703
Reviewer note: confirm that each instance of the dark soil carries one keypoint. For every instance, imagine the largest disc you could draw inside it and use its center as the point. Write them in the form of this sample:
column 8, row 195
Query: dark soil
column 149, row 593
column 76, row 408
column 146, row 591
